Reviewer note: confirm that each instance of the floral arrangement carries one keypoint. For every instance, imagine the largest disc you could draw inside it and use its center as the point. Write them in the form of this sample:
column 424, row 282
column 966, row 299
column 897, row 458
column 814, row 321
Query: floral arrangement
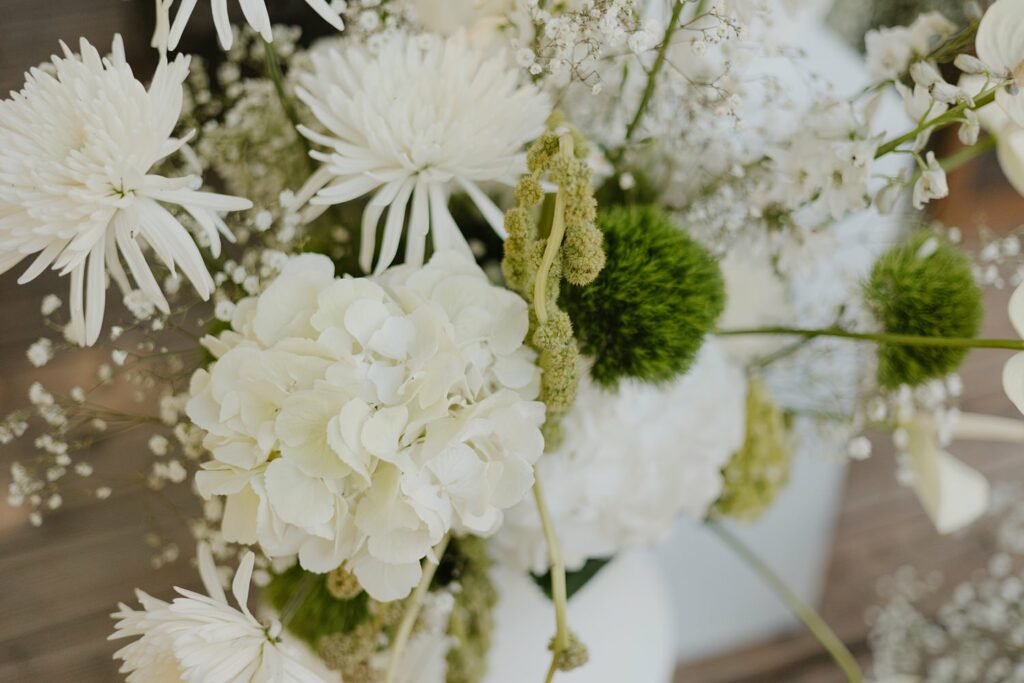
column 503, row 282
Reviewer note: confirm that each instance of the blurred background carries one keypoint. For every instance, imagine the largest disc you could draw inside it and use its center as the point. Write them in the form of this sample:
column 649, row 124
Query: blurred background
column 59, row 583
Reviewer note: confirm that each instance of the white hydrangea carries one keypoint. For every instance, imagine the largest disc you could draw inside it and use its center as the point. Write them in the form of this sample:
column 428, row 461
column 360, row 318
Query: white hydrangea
column 631, row 462
column 359, row 420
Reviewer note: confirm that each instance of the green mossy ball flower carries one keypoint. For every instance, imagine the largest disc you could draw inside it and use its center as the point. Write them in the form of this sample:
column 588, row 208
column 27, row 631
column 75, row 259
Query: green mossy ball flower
column 320, row 614
column 923, row 287
column 759, row 471
column 659, row 294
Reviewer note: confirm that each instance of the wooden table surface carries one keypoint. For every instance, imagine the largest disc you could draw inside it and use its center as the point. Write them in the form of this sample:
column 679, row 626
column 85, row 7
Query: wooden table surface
column 59, row 583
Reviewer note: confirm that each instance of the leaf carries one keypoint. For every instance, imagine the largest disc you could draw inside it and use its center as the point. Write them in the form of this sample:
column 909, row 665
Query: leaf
column 574, row 581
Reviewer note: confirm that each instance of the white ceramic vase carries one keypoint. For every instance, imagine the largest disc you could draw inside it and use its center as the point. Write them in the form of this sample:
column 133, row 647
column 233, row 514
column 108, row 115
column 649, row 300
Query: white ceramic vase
column 624, row 615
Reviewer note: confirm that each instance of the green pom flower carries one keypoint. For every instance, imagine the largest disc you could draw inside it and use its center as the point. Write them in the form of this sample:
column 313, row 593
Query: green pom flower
column 647, row 312
column 320, row 613
column 759, row 471
column 923, row 287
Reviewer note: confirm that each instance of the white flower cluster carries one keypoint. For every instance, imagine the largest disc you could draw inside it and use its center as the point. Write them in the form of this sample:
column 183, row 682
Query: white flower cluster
column 358, row 421
column 201, row 638
column 890, row 50
column 964, row 633
column 631, row 463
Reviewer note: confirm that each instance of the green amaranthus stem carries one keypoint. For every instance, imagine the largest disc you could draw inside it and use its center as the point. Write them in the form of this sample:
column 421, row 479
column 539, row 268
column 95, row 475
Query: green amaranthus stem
column 555, row 237
column 883, row 337
column 812, row 620
column 954, row 115
column 558, row 590
column 412, row 610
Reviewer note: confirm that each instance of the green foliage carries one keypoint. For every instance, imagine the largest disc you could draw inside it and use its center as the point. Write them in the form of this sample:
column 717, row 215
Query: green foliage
column 574, row 581
column 759, row 471
column 659, row 294
column 320, row 613
column 912, row 291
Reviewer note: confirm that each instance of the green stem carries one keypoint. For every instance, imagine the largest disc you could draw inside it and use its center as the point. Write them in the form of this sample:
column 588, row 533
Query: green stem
column 950, row 117
column 652, row 75
column 287, row 103
column 968, row 154
column 883, row 338
column 964, row 156
column 558, row 591
column 412, row 610
column 297, row 599
column 811, row 619
column 554, row 243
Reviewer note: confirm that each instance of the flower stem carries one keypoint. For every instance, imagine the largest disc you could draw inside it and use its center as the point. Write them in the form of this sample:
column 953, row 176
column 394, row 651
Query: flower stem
column 555, row 236
column 287, row 103
column 412, row 609
column 558, row 591
column 297, row 599
column 811, row 619
column 958, row 159
column 883, row 338
column 950, row 117
column 652, row 76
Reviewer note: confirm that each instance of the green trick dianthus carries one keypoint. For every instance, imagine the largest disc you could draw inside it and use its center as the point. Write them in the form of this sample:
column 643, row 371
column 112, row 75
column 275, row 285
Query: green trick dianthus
column 759, row 470
column 923, row 287
column 320, row 613
column 647, row 312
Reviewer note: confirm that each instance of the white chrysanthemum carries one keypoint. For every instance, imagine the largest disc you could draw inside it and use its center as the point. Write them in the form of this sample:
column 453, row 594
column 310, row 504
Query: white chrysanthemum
column 357, row 421
column 254, row 11
column 410, row 121
column 76, row 153
column 201, row 639
column 631, row 462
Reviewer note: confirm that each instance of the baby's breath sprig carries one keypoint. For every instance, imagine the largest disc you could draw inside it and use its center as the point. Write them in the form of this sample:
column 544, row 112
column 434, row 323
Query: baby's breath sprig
column 565, row 244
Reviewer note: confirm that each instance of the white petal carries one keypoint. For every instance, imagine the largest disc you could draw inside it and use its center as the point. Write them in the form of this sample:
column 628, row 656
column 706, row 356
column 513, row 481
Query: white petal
column 296, row 498
column 1000, row 38
column 180, row 20
column 382, row 431
column 386, row 582
column 208, row 572
column 240, row 584
column 1010, row 152
column 953, row 494
column 238, row 524
column 1013, row 380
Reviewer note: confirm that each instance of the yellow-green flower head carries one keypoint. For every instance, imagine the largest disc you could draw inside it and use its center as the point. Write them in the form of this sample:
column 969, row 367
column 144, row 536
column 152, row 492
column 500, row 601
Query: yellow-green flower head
column 759, row 470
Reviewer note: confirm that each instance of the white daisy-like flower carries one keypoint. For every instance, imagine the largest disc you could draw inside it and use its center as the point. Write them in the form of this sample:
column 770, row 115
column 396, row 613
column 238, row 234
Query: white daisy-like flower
column 77, row 148
column 411, row 120
column 254, row 11
column 1000, row 45
column 201, row 638
column 356, row 421
column 630, row 463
